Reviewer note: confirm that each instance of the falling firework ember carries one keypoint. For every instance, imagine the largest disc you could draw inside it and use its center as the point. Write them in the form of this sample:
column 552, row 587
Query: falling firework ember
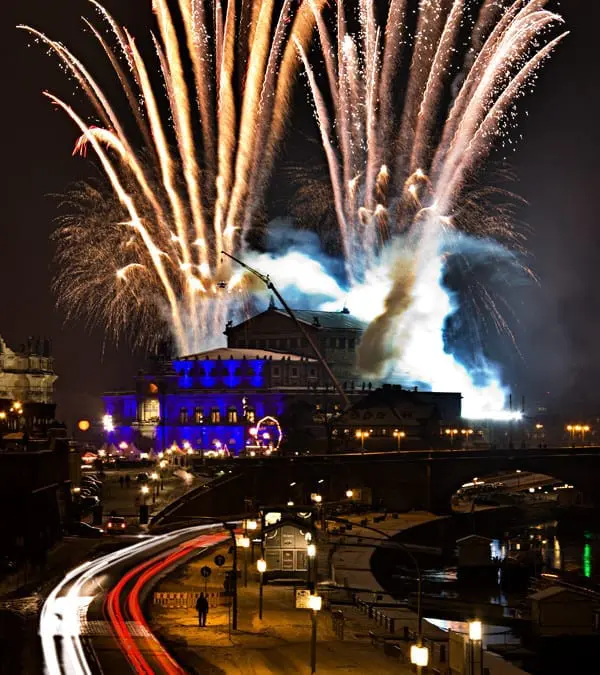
column 195, row 187
column 399, row 176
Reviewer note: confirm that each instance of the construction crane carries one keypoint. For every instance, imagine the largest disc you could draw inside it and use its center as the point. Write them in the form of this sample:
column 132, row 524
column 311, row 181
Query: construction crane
column 271, row 286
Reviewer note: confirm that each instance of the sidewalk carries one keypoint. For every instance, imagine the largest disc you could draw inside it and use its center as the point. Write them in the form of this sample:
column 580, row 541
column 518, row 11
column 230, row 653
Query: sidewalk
column 280, row 643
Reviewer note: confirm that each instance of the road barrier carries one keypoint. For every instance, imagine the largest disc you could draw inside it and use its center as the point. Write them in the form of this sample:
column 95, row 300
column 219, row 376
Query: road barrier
column 187, row 600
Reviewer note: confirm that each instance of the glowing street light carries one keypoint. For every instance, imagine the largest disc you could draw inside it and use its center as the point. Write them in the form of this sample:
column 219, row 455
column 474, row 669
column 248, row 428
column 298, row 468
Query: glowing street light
column 419, row 656
column 261, row 566
column 314, row 602
column 317, row 499
column 475, row 639
column 311, row 550
column 452, row 433
column 360, row 434
column 467, row 433
column 475, row 630
column 145, row 489
column 399, row 435
column 349, row 494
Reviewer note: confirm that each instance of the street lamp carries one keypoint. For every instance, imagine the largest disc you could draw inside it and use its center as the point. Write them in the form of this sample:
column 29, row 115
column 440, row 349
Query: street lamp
column 314, row 602
column 452, row 433
column 399, row 435
column 362, row 435
column 584, row 429
column 311, row 550
column 475, row 637
column 467, row 433
column 419, row 656
column 349, row 494
column 261, row 565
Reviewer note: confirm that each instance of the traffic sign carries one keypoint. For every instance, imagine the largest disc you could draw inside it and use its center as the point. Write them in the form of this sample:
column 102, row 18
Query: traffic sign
column 219, row 560
column 206, row 571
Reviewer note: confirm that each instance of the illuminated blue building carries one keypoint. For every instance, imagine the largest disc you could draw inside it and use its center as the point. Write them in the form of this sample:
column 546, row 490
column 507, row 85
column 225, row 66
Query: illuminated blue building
column 213, row 399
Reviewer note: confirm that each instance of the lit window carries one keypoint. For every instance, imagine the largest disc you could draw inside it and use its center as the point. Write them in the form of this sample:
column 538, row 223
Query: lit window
column 215, row 416
column 232, row 415
column 150, row 410
column 198, row 416
column 183, row 416
column 250, row 415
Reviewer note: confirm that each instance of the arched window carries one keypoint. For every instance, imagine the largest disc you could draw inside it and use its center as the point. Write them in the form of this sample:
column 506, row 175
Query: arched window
column 183, row 416
column 215, row 416
column 232, row 415
column 198, row 415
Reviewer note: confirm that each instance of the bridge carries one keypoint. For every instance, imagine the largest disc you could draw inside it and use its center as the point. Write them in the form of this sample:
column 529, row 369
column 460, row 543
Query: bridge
column 401, row 480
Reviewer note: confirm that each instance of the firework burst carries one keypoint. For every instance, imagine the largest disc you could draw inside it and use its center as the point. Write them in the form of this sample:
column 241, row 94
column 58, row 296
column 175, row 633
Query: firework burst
column 209, row 146
column 401, row 170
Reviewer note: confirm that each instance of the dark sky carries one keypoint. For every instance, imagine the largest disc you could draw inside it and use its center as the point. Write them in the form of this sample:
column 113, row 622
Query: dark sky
column 558, row 327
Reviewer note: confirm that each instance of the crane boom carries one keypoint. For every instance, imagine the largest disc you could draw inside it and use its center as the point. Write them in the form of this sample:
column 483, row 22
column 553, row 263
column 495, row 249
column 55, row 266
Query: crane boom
column 271, row 286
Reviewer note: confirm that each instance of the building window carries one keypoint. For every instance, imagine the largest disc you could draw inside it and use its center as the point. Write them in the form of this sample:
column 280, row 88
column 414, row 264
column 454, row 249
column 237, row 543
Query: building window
column 215, row 416
column 351, row 343
column 250, row 415
column 304, row 342
column 312, row 372
column 332, row 343
column 198, row 416
column 276, row 371
column 294, row 372
column 232, row 415
column 342, row 343
column 294, row 343
column 150, row 410
column 183, row 416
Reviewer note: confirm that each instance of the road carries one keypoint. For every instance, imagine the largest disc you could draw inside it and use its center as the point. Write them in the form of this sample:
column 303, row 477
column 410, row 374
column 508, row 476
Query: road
column 92, row 621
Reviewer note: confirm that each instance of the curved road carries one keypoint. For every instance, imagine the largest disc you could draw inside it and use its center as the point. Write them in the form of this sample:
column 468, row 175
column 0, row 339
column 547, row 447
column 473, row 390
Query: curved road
column 92, row 622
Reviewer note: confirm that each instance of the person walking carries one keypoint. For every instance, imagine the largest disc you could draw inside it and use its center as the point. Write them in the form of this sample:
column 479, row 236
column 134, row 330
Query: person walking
column 202, row 609
column 127, row 481
column 121, row 481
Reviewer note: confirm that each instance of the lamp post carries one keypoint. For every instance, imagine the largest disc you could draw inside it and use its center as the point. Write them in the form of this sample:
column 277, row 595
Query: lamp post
column 399, row 435
column 452, row 433
column 419, row 656
column 362, row 435
column 349, row 494
column 571, row 429
column 315, row 602
column 261, row 565
column 475, row 637
column 244, row 543
column 466, row 433
column 584, row 429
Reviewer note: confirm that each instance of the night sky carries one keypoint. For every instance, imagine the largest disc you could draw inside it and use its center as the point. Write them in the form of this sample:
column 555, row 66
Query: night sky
column 557, row 323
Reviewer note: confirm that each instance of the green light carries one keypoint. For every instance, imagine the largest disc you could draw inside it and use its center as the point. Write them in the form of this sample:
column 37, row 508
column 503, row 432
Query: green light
column 587, row 560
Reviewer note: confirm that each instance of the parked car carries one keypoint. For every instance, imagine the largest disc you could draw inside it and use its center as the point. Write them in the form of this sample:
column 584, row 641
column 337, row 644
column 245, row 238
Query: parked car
column 86, row 530
column 89, row 501
column 142, row 477
column 116, row 524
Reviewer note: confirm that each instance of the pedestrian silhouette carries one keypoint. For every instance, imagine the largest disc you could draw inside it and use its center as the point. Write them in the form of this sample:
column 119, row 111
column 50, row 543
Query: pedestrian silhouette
column 202, row 609
column 127, row 480
column 121, row 481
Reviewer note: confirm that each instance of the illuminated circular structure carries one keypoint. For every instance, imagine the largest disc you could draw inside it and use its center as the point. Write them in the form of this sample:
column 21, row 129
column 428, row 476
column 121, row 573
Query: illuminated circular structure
column 267, row 433
column 83, row 425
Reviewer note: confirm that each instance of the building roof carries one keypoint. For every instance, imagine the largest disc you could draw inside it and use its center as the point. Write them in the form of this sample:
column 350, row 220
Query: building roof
column 473, row 538
column 328, row 319
column 225, row 353
column 318, row 319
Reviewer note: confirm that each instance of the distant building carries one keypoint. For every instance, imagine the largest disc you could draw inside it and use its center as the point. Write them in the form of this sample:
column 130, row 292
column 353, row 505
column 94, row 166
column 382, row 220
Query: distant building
column 337, row 335
column 27, row 379
column 393, row 417
column 227, row 399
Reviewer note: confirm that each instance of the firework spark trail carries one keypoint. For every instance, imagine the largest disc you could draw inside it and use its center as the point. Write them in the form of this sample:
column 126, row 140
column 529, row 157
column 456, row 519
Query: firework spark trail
column 439, row 144
column 193, row 196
